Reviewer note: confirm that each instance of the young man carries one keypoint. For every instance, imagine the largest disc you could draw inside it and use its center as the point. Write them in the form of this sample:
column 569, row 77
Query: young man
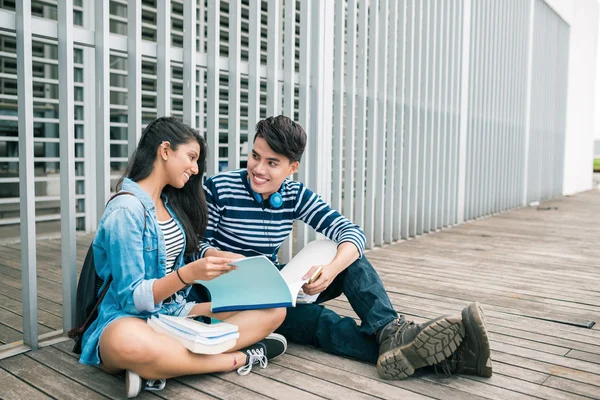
column 251, row 212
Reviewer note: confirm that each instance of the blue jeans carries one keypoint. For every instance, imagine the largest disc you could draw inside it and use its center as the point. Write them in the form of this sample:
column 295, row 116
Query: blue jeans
column 313, row 324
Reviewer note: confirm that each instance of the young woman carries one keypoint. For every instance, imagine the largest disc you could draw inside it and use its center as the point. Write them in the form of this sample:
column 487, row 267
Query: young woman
column 142, row 241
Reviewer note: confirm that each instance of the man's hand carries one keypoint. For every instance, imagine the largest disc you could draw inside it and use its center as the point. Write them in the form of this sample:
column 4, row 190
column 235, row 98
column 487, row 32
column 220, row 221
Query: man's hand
column 223, row 254
column 328, row 274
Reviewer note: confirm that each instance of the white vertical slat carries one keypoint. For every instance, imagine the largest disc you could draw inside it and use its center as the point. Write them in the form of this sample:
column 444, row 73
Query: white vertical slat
column 416, row 119
column 427, row 130
column 408, row 123
column 253, row 69
column 419, row 182
column 321, row 101
column 443, row 145
column 134, row 71
column 516, row 107
column 392, row 125
column 201, row 71
column 274, row 59
column 361, row 113
column 189, row 63
column 89, row 93
column 67, row 162
column 102, row 89
column 285, row 252
column 212, row 78
column 464, row 102
column 457, row 15
column 491, row 151
column 350, row 117
column 338, row 105
column 235, row 59
column 289, row 61
column 528, row 96
column 372, row 122
column 401, row 99
column 26, row 174
column 436, row 134
column 304, row 101
column 381, row 133
column 163, row 59
column 508, row 68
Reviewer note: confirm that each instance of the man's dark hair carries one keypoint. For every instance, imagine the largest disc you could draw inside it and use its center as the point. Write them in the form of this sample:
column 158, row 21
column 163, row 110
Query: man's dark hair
column 283, row 136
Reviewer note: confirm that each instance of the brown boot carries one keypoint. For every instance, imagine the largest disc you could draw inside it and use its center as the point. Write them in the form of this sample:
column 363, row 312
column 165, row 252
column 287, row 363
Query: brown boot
column 405, row 346
column 473, row 355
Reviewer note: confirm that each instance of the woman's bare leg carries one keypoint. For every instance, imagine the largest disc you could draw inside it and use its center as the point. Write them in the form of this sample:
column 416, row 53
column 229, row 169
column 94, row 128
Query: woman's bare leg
column 253, row 325
column 129, row 343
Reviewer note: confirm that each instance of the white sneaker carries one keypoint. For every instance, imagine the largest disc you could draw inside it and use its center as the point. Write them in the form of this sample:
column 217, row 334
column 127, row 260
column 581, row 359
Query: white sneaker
column 134, row 384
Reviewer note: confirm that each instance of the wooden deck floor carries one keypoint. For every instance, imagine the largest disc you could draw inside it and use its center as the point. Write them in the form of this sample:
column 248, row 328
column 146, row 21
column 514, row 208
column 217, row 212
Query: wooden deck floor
column 536, row 273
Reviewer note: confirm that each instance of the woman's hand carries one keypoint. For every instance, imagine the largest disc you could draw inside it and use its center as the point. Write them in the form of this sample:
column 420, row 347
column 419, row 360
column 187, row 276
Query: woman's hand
column 328, row 274
column 209, row 268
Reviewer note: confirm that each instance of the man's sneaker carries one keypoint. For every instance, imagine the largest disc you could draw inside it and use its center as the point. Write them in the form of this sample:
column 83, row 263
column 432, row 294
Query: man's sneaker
column 261, row 352
column 405, row 346
column 473, row 355
column 134, row 384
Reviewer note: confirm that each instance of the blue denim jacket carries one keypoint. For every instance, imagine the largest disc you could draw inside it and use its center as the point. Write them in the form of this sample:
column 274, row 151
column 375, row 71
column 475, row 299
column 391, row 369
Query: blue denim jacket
column 135, row 257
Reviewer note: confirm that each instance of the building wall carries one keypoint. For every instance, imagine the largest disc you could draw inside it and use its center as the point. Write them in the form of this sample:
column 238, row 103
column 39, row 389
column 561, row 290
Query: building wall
column 581, row 99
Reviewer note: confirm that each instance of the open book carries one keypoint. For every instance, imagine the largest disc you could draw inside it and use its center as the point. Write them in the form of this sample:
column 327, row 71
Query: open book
column 198, row 337
column 257, row 283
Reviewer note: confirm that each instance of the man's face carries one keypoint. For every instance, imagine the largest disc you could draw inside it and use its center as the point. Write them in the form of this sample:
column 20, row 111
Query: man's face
column 266, row 169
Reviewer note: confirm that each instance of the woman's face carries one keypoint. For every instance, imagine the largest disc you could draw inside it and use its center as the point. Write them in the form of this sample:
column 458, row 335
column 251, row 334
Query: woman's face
column 266, row 169
column 182, row 163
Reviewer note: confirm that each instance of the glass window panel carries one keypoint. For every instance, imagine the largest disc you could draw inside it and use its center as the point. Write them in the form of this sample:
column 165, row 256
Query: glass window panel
column 80, row 171
column 79, row 131
column 44, row 10
column 43, row 168
column 44, row 149
column 78, row 75
column 78, row 93
column 45, row 110
column 8, row 128
column 118, row 98
column 45, row 129
column 79, row 113
column 118, row 150
column 79, row 151
column 118, row 116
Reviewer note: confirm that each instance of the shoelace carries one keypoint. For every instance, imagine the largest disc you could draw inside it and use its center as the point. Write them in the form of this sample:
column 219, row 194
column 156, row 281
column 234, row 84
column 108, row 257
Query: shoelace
column 255, row 356
column 449, row 364
column 155, row 385
column 402, row 328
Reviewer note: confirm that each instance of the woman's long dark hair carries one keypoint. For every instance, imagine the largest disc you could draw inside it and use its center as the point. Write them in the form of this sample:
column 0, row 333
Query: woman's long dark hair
column 188, row 203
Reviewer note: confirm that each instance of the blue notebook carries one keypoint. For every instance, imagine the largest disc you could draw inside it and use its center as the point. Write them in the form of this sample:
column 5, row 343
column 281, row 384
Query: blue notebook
column 257, row 283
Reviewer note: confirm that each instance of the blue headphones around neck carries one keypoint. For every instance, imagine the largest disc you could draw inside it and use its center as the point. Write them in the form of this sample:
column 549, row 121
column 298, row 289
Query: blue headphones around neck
column 274, row 201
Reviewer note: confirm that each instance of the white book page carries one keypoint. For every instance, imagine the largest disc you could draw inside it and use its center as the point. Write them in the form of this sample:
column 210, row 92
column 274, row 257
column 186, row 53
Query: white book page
column 317, row 252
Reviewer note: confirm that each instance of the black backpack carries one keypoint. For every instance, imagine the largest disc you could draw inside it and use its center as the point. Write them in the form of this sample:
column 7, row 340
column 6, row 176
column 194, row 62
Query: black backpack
column 88, row 299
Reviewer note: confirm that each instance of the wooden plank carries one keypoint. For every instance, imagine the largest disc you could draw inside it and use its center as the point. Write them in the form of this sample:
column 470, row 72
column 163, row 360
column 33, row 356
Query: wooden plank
column 44, row 318
column 332, row 382
column 352, row 367
column 571, row 387
column 43, row 304
column 47, row 380
column 207, row 385
column 12, row 388
column 99, row 381
column 585, row 356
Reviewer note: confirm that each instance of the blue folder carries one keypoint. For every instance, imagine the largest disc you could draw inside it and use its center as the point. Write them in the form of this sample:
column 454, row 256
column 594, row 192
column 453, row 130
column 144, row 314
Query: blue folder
column 256, row 284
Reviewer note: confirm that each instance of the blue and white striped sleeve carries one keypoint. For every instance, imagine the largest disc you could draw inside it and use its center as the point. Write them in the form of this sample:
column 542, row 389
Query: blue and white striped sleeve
column 318, row 214
column 213, row 217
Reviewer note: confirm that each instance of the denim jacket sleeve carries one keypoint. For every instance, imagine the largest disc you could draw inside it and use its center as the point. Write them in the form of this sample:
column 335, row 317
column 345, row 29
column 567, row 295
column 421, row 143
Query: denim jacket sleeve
column 124, row 241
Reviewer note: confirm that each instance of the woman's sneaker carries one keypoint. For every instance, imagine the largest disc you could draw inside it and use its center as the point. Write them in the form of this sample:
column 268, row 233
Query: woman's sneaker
column 134, row 384
column 261, row 352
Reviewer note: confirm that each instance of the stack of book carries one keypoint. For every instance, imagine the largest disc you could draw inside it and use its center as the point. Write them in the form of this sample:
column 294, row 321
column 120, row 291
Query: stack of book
column 198, row 337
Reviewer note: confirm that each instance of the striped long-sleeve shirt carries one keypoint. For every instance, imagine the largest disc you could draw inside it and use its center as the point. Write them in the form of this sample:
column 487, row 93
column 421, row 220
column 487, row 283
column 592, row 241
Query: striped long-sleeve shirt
column 237, row 222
